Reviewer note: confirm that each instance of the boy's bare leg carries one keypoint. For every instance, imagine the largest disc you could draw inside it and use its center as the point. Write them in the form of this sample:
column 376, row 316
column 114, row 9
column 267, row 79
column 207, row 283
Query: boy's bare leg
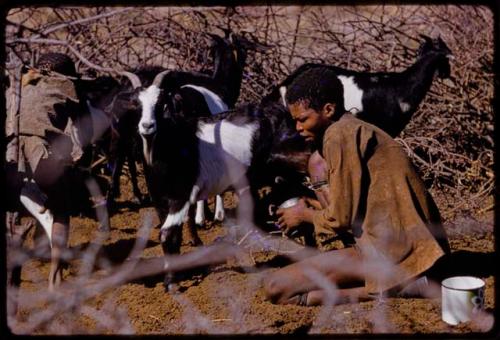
column 327, row 272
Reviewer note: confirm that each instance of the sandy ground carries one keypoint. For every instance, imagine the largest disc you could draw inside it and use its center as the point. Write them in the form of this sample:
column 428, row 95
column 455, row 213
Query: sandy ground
column 229, row 298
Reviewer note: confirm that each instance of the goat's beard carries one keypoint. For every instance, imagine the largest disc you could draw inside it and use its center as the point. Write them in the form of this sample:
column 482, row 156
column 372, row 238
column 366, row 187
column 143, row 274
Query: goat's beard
column 147, row 147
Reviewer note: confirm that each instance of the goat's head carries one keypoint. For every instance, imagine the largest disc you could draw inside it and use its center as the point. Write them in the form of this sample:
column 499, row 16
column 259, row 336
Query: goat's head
column 242, row 45
column 438, row 49
column 100, row 91
column 149, row 102
column 232, row 49
column 152, row 103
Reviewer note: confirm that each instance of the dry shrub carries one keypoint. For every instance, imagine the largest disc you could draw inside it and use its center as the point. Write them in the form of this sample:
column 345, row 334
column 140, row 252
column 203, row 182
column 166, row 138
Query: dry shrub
column 450, row 138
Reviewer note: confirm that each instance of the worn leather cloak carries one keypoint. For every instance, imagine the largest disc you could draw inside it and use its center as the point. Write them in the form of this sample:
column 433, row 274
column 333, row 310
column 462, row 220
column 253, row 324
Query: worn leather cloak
column 377, row 194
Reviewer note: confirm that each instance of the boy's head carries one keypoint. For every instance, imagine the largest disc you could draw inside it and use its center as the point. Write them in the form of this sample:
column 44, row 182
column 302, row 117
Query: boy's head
column 315, row 87
column 56, row 62
column 315, row 99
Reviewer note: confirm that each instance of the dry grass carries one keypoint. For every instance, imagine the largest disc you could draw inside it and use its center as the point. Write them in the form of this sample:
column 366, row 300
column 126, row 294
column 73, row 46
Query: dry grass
column 450, row 138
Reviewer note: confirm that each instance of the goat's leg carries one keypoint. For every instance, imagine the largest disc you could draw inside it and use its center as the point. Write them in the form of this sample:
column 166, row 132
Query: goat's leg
column 200, row 213
column 114, row 189
column 192, row 238
column 100, row 205
column 137, row 199
column 33, row 202
column 219, row 209
column 59, row 242
column 171, row 240
column 16, row 236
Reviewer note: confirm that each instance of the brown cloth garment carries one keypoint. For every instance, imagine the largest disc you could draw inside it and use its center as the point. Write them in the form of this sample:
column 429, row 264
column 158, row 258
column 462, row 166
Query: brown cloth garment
column 45, row 123
column 376, row 193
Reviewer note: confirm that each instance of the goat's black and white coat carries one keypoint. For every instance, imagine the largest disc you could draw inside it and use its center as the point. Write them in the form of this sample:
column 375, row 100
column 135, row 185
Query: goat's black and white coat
column 385, row 99
column 193, row 158
column 197, row 95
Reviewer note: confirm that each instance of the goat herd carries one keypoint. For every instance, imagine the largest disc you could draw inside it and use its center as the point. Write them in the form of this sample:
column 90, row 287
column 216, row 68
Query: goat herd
column 196, row 144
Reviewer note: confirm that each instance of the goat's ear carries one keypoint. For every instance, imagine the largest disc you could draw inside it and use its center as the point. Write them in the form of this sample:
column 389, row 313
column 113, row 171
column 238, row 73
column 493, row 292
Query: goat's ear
column 177, row 102
column 426, row 38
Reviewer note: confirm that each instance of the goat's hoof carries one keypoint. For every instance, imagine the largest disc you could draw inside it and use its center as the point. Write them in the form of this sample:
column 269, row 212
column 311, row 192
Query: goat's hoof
column 219, row 217
column 171, row 283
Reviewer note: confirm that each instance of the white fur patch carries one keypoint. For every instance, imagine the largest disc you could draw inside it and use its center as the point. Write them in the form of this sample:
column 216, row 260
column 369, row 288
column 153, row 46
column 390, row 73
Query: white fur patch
column 219, row 209
column 193, row 197
column 46, row 219
column 200, row 212
column 405, row 107
column 353, row 95
column 225, row 154
column 235, row 140
column 283, row 94
column 181, row 216
column 177, row 218
column 215, row 103
column 148, row 99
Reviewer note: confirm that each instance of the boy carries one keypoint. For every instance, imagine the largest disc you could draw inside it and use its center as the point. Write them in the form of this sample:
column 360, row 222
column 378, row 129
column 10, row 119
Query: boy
column 374, row 193
column 51, row 141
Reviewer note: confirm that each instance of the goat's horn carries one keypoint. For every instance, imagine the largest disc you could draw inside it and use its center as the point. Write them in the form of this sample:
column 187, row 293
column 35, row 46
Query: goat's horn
column 159, row 78
column 134, row 79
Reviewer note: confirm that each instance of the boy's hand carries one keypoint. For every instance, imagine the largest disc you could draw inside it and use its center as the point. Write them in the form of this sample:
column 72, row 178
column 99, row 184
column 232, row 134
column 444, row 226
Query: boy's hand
column 290, row 218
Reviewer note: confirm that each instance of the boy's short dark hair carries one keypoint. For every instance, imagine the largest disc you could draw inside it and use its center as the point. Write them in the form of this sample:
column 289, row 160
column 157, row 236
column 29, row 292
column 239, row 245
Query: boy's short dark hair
column 57, row 62
column 316, row 87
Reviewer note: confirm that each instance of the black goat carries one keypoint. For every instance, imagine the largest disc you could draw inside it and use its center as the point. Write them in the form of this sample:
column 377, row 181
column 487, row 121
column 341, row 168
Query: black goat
column 385, row 99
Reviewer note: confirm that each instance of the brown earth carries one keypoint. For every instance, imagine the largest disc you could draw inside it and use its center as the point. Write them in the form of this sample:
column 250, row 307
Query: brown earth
column 229, row 298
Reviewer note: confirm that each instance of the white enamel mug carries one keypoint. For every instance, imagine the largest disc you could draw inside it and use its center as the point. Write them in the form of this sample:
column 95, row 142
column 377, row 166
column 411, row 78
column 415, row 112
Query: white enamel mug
column 290, row 202
column 462, row 298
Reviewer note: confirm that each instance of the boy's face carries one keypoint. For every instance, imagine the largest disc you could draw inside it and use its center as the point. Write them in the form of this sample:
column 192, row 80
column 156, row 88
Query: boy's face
column 310, row 123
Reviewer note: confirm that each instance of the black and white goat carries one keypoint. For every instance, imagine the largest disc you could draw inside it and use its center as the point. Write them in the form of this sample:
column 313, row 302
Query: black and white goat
column 189, row 95
column 190, row 159
column 385, row 99
column 195, row 94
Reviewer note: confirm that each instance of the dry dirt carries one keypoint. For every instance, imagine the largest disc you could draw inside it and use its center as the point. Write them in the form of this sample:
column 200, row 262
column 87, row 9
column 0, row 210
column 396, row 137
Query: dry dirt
column 229, row 298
